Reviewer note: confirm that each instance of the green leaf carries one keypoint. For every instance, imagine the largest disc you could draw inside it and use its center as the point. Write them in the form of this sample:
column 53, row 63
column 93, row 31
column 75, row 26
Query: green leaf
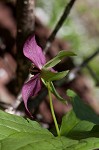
column 95, row 128
column 68, row 122
column 95, row 131
column 83, row 111
column 10, row 124
column 70, row 93
column 86, row 144
column 77, row 129
column 16, row 133
column 71, row 124
column 57, row 59
column 48, row 75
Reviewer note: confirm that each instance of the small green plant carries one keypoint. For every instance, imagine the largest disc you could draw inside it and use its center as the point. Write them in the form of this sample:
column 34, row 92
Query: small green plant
column 79, row 129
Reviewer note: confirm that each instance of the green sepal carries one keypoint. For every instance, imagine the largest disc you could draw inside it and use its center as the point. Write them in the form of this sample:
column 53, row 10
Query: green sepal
column 53, row 90
column 55, row 93
column 48, row 75
column 57, row 59
column 71, row 93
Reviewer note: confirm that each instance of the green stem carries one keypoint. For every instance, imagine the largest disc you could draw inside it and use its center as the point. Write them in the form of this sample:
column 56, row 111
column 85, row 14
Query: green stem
column 52, row 111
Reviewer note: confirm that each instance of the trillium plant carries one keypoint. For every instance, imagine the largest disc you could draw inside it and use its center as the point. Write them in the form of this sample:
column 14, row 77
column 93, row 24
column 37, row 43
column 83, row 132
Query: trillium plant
column 43, row 73
column 79, row 129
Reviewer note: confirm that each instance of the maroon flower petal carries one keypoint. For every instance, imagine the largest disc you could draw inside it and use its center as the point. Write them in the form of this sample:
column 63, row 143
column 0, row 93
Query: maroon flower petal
column 33, row 52
column 31, row 88
column 51, row 69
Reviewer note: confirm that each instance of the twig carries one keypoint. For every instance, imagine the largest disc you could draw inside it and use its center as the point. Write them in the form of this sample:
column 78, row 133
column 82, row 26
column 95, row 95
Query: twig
column 93, row 74
column 86, row 61
column 74, row 71
column 59, row 24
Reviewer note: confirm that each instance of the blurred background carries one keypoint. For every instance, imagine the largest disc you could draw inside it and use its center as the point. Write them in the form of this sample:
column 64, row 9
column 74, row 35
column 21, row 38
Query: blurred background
column 79, row 33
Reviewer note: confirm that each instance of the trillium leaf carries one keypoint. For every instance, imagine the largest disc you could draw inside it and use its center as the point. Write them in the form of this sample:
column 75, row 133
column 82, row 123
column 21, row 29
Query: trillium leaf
column 71, row 93
column 58, row 58
column 76, row 128
column 83, row 111
column 10, row 124
column 70, row 120
column 48, row 75
column 17, row 133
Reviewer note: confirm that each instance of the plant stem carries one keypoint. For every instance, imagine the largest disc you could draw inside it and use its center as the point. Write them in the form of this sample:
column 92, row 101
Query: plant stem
column 52, row 111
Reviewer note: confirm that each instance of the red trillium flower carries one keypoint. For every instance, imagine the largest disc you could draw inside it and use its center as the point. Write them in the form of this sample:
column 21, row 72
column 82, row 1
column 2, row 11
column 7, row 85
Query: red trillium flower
column 34, row 53
column 43, row 70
